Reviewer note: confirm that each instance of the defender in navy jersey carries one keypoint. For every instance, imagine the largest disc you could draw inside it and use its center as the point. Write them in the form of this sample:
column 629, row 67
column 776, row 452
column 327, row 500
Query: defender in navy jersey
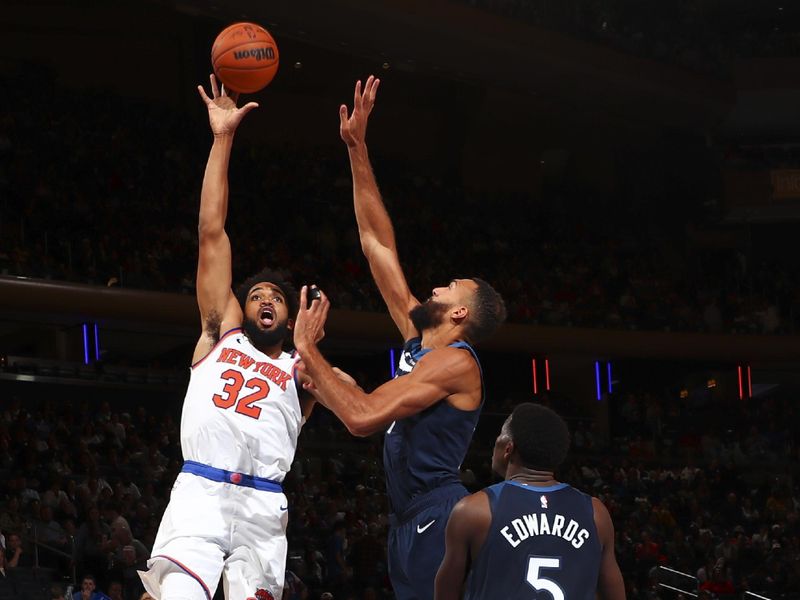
column 429, row 413
column 530, row 537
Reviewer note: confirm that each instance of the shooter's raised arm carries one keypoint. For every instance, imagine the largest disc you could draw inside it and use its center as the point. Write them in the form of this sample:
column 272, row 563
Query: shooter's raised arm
column 219, row 310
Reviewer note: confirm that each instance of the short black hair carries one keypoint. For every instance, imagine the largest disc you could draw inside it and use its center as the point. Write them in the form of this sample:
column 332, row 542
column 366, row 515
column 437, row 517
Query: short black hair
column 488, row 312
column 272, row 276
column 541, row 437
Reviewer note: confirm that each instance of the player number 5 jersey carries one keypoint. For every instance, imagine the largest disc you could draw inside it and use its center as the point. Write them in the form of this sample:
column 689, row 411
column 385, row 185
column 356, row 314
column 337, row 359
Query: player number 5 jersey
column 242, row 411
column 542, row 545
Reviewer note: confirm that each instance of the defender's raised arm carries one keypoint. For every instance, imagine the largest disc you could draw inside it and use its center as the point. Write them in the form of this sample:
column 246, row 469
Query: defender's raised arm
column 374, row 225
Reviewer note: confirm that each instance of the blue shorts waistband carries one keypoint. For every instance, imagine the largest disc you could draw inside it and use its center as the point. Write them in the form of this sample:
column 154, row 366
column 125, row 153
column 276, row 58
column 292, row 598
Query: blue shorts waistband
column 232, row 477
column 423, row 501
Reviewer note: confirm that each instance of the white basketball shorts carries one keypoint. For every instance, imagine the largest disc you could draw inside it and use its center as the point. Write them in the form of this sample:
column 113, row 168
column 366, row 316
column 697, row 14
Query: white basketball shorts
column 211, row 528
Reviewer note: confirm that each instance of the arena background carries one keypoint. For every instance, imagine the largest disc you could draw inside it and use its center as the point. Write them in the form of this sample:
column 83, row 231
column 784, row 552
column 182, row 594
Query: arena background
column 626, row 172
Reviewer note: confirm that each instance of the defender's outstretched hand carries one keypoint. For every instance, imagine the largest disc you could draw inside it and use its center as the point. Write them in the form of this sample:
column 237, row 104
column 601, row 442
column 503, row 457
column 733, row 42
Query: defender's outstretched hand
column 223, row 115
column 353, row 129
column 309, row 327
column 309, row 386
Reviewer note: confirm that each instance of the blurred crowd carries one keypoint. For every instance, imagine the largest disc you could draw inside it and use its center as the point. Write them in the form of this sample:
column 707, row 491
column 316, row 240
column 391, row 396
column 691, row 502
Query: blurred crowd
column 702, row 36
column 93, row 198
column 705, row 489
column 100, row 189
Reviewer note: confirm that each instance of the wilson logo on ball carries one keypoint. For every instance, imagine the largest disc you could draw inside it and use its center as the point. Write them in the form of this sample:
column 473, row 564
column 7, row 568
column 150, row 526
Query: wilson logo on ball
column 257, row 53
column 245, row 57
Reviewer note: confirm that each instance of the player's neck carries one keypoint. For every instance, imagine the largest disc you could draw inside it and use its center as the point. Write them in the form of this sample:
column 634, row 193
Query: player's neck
column 265, row 342
column 441, row 336
column 532, row 477
column 273, row 351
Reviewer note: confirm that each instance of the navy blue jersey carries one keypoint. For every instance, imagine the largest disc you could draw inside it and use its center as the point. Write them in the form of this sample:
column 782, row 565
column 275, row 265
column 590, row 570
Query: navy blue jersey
column 542, row 545
column 424, row 452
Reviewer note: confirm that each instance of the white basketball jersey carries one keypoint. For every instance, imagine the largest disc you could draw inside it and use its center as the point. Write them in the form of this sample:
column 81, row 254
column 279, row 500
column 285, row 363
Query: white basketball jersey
column 242, row 412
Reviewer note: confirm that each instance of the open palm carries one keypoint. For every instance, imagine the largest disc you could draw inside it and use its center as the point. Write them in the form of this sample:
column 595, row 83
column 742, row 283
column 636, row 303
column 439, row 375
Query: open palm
column 223, row 115
column 353, row 129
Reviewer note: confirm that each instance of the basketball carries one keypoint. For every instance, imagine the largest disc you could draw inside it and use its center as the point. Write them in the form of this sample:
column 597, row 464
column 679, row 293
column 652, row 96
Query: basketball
column 244, row 57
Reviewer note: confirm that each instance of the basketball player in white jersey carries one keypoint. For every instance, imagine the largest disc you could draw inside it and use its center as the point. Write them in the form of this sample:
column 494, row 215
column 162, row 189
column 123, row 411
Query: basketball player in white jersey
column 241, row 416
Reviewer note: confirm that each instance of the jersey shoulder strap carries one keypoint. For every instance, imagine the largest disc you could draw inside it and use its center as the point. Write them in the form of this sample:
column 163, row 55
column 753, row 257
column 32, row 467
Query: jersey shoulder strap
column 493, row 492
column 467, row 346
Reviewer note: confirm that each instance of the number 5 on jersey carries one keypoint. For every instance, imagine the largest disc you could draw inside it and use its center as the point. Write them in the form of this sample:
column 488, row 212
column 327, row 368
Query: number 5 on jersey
column 535, row 563
column 230, row 393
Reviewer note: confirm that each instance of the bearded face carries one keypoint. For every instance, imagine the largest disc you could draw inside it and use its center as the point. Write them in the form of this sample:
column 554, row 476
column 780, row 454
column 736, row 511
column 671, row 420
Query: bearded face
column 266, row 320
column 265, row 338
column 428, row 315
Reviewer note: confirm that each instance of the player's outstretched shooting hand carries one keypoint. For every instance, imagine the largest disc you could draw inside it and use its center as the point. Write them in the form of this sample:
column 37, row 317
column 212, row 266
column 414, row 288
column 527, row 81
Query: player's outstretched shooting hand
column 223, row 115
column 353, row 129
column 309, row 327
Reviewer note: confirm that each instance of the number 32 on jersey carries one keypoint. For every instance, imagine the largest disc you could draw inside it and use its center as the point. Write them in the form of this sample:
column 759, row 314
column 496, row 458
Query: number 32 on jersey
column 230, row 393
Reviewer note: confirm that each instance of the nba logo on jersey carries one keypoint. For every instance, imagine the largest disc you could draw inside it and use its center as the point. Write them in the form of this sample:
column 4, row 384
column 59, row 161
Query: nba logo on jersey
column 543, row 500
column 406, row 363
column 262, row 594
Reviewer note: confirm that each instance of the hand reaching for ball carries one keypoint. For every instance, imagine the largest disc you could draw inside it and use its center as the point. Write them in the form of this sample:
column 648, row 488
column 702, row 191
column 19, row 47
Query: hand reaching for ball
column 223, row 115
column 353, row 129
column 309, row 326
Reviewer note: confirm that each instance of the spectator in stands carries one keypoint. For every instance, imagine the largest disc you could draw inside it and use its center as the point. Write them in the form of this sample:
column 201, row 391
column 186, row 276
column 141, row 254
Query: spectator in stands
column 53, row 537
column 778, row 505
column 115, row 591
column 338, row 569
column 728, row 513
column 719, row 584
column 90, row 553
column 10, row 518
column 293, row 587
column 16, row 555
column 129, row 555
column 89, row 590
column 367, row 557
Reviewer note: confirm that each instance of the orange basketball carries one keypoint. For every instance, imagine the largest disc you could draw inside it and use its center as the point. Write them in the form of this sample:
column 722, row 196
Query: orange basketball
column 244, row 57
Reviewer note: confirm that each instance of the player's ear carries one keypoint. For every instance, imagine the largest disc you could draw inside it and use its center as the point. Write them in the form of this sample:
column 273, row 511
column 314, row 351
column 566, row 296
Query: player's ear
column 459, row 314
column 508, row 451
column 290, row 324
